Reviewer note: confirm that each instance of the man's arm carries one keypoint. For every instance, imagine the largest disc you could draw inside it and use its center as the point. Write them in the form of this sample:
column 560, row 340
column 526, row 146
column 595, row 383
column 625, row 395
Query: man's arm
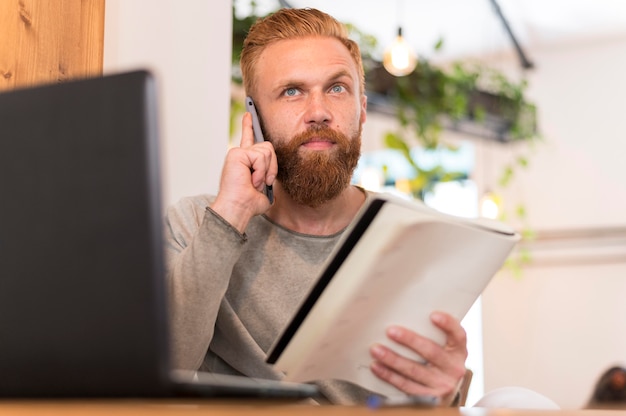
column 204, row 238
column 201, row 249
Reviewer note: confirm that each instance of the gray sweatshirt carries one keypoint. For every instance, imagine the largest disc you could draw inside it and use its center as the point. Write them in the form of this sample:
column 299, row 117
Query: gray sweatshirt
column 232, row 294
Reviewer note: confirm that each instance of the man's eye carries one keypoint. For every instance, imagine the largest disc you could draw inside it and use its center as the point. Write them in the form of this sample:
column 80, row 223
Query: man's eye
column 290, row 92
column 337, row 88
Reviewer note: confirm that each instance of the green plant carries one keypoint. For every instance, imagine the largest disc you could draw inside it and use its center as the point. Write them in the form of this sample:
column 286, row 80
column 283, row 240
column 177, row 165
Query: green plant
column 241, row 25
column 432, row 99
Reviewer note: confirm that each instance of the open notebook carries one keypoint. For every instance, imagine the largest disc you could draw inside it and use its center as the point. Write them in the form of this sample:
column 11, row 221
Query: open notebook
column 82, row 285
column 399, row 261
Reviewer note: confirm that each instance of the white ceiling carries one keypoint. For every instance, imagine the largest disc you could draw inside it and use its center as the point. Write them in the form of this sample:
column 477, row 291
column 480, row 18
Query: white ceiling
column 471, row 27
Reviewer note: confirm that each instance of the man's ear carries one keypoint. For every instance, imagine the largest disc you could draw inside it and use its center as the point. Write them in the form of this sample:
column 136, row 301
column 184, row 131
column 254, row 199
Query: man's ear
column 363, row 108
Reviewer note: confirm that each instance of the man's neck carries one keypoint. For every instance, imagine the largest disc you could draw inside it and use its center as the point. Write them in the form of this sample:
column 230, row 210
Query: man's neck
column 327, row 219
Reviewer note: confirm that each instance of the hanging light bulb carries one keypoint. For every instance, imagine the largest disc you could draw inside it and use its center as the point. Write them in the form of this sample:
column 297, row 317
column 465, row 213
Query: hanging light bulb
column 399, row 59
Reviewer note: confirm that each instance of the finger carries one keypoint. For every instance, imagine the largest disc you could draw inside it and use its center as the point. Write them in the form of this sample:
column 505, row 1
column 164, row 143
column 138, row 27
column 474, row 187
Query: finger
column 455, row 334
column 410, row 376
column 272, row 170
column 449, row 359
column 399, row 364
column 270, row 167
column 247, row 134
column 263, row 165
column 422, row 346
column 399, row 381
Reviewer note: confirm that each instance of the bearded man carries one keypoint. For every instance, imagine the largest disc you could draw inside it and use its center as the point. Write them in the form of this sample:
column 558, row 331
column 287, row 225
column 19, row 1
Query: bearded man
column 238, row 265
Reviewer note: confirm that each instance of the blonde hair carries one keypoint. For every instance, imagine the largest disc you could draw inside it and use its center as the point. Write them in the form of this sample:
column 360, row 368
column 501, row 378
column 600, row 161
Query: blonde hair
column 288, row 24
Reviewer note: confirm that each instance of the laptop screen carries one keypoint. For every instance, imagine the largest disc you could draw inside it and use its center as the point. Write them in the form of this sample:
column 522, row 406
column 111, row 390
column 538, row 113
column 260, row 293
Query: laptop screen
column 81, row 288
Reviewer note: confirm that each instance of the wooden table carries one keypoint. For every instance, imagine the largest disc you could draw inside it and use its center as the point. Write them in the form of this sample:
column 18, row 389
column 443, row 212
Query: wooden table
column 247, row 407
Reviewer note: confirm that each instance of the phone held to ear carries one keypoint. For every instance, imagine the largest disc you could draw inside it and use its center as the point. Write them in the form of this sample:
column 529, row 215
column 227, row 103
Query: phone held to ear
column 258, row 138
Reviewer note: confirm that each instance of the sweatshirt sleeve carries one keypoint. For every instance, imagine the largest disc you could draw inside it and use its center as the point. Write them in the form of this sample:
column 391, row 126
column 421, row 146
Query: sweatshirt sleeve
column 201, row 250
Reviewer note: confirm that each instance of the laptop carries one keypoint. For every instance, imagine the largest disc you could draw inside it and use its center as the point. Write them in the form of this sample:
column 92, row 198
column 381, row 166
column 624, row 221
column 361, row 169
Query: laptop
column 82, row 282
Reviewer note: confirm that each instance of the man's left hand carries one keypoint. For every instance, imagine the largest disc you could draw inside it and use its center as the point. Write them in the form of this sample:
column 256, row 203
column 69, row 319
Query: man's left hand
column 441, row 373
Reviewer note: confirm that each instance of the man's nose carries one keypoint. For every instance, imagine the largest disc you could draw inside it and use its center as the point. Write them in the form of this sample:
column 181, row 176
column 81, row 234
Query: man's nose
column 318, row 109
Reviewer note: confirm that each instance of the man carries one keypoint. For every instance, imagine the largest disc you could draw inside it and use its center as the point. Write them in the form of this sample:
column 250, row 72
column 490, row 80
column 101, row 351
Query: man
column 238, row 265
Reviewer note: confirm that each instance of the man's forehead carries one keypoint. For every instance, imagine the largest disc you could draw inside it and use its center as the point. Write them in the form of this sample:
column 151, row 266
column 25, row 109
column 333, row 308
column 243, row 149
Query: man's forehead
column 304, row 45
column 301, row 57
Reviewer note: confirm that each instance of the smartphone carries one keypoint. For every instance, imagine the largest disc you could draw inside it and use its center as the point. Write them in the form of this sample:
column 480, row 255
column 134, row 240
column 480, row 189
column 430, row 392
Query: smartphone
column 258, row 138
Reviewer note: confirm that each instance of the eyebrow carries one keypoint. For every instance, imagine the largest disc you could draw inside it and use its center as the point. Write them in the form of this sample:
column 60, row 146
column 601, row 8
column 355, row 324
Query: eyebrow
column 299, row 84
column 340, row 74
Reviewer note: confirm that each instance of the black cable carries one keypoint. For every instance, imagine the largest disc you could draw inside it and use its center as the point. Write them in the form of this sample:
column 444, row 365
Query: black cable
column 526, row 64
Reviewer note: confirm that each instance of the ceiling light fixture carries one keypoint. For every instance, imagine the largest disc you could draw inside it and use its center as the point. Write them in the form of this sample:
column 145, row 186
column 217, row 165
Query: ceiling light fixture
column 399, row 59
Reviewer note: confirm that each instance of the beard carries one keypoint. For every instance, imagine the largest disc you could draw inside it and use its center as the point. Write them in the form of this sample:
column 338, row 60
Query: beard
column 314, row 177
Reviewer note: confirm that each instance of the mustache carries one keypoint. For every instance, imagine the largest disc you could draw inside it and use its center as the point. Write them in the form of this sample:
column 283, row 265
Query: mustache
column 321, row 132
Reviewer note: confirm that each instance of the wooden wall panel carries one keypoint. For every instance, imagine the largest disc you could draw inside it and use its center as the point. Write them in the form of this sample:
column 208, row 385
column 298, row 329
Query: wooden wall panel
column 46, row 41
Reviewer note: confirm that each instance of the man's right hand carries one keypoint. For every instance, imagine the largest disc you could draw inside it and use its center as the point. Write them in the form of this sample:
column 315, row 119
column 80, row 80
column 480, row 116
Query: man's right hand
column 247, row 170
